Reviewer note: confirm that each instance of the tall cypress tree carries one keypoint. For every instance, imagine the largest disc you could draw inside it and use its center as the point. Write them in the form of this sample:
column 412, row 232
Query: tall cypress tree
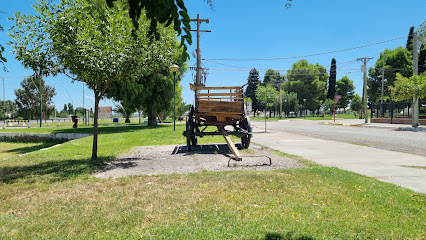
column 253, row 81
column 332, row 80
column 422, row 59
column 409, row 44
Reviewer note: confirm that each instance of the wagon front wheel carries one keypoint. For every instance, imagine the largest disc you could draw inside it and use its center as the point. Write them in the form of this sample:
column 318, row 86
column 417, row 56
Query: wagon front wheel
column 245, row 140
column 246, row 135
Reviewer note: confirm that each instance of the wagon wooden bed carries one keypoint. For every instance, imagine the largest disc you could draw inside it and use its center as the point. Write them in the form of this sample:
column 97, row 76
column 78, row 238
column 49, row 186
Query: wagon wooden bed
column 218, row 106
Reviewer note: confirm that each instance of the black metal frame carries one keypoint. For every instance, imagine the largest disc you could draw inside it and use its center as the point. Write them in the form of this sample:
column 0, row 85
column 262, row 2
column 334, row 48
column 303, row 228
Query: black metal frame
column 193, row 124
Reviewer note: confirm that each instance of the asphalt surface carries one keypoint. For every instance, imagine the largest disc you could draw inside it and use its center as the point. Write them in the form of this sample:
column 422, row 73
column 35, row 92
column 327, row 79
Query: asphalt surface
column 383, row 136
column 329, row 145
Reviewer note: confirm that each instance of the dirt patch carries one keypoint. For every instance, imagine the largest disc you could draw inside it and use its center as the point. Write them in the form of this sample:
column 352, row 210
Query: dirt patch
column 150, row 160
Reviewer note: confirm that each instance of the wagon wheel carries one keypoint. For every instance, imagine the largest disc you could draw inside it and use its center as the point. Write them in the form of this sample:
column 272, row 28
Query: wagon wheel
column 188, row 133
column 193, row 127
column 245, row 140
column 194, row 136
column 245, row 137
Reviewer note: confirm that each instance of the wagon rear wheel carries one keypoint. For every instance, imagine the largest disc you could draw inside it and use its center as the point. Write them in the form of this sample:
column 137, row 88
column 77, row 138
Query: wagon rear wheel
column 188, row 133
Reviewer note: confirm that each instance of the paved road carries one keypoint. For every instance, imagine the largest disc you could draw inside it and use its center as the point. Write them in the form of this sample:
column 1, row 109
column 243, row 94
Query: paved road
column 311, row 140
column 373, row 135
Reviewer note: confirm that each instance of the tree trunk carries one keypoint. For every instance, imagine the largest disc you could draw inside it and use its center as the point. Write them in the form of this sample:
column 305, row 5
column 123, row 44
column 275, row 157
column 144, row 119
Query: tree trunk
column 95, row 128
column 127, row 119
column 152, row 119
column 140, row 111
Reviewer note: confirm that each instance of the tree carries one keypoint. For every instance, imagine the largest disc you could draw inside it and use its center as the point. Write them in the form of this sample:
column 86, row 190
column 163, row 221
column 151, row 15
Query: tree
column 345, row 87
column 356, row 103
column 272, row 77
column 409, row 88
column 290, row 102
column 422, row 58
column 157, row 98
column 252, row 84
column 410, row 37
column 80, row 111
column 181, row 106
column 28, row 97
column 125, row 110
column 309, row 82
column 328, row 106
column 10, row 107
column 65, row 108
column 421, row 30
column 153, row 93
column 332, row 80
column 396, row 60
column 70, row 109
column 2, row 59
column 88, row 42
column 268, row 95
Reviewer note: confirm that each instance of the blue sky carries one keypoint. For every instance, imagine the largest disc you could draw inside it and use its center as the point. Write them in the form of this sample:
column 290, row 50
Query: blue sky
column 262, row 29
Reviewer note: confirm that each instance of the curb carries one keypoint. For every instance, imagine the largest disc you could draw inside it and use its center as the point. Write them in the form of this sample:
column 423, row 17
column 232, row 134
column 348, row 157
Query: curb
column 332, row 123
column 413, row 129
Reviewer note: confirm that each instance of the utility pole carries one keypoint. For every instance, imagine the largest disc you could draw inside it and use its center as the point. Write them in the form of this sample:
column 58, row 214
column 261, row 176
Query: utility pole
column 364, row 60
column 383, row 84
column 41, row 101
column 415, row 122
column 84, row 111
column 199, row 21
column 4, row 105
column 281, row 101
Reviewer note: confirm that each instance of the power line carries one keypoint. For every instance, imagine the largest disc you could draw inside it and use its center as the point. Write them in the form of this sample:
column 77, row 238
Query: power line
column 279, row 70
column 303, row 56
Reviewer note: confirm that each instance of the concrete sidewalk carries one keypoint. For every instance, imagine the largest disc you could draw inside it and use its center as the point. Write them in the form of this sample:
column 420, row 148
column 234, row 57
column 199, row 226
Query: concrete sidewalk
column 384, row 165
column 361, row 123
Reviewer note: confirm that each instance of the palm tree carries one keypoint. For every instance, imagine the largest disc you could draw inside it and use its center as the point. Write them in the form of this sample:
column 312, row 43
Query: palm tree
column 125, row 111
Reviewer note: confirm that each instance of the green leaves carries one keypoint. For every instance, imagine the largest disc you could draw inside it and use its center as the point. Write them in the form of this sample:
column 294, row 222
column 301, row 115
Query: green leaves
column 408, row 88
column 165, row 11
column 267, row 94
column 309, row 82
column 345, row 88
column 396, row 60
column 28, row 97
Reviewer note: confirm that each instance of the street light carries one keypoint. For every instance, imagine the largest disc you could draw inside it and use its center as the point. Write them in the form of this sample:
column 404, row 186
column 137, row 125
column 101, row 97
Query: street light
column 174, row 69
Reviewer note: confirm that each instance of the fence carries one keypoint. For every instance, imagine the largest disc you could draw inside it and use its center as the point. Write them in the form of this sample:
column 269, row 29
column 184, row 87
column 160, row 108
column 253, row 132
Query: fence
column 396, row 112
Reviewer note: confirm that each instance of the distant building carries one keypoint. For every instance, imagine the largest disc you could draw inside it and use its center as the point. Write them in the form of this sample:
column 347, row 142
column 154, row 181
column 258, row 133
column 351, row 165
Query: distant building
column 105, row 112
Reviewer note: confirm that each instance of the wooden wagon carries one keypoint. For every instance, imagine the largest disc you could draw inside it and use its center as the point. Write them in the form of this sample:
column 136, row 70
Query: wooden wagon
column 218, row 106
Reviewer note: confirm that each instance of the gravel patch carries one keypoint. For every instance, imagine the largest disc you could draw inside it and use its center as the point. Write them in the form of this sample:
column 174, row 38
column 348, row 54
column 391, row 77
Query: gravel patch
column 168, row 159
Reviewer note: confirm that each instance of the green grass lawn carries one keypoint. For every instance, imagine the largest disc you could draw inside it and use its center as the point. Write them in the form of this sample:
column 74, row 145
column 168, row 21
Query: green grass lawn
column 10, row 149
column 50, row 194
column 326, row 117
column 66, row 127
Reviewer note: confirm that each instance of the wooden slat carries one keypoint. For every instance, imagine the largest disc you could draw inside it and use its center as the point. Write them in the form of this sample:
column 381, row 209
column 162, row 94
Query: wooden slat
column 221, row 114
column 223, row 98
column 199, row 87
column 217, row 88
column 219, row 94
column 220, row 106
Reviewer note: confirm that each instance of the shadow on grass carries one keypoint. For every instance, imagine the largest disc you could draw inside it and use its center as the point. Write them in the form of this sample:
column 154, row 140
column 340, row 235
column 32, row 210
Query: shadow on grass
column 23, row 150
column 53, row 171
column 288, row 236
column 107, row 129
